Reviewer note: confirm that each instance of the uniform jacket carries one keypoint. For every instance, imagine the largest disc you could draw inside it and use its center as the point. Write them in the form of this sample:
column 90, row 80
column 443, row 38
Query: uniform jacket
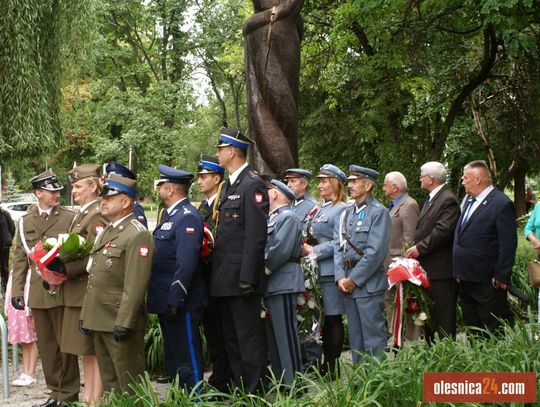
column 404, row 217
column 302, row 207
column 175, row 279
column 485, row 246
column 282, row 253
column 370, row 233
column 241, row 236
column 36, row 229
column 435, row 232
column 87, row 224
column 321, row 227
column 119, row 272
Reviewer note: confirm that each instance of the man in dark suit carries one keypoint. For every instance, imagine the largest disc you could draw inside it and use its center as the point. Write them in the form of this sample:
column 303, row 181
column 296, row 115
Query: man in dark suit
column 177, row 291
column 210, row 179
column 433, row 246
column 485, row 244
column 238, row 277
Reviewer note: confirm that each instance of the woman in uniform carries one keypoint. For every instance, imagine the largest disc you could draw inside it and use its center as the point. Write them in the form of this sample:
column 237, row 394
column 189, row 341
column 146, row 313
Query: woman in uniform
column 320, row 242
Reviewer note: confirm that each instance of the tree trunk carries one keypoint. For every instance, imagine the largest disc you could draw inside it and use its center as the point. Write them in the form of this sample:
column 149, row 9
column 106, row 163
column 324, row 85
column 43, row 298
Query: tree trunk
column 519, row 189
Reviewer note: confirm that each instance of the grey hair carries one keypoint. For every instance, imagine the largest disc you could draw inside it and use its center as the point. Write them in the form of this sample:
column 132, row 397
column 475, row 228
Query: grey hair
column 435, row 170
column 398, row 179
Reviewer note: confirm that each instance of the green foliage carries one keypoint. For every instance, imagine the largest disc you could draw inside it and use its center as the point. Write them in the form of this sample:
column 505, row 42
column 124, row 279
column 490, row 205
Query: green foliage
column 12, row 193
column 153, row 346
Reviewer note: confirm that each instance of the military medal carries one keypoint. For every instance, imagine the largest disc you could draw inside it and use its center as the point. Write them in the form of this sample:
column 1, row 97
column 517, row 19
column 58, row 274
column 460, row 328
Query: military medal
column 108, row 263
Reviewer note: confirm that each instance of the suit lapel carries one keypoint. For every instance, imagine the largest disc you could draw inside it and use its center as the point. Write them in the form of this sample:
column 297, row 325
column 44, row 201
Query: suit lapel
column 478, row 211
column 110, row 234
column 396, row 208
column 426, row 208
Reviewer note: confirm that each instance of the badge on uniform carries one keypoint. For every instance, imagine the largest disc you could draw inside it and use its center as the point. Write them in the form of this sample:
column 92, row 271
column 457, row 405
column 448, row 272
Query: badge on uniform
column 233, row 197
column 143, row 251
column 108, row 263
column 167, row 226
column 190, row 231
column 258, row 197
column 99, row 229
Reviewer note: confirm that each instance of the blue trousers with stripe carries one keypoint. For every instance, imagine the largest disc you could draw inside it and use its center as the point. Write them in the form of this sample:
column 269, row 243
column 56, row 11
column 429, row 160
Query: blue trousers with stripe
column 183, row 348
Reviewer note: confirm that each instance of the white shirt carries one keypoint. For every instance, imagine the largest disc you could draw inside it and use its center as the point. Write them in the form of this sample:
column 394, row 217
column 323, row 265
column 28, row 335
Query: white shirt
column 210, row 200
column 234, row 175
column 116, row 223
column 479, row 199
column 435, row 191
column 170, row 208
column 48, row 211
column 83, row 208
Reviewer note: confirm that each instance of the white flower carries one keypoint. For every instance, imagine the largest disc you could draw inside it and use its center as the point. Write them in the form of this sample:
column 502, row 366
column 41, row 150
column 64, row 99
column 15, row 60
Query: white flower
column 301, row 300
column 422, row 316
column 263, row 314
column 307, row 284
column 311, row 304
column 81, row 240
column 62, row 237
column 51, row 241
column 418, row 322
column 299, row 318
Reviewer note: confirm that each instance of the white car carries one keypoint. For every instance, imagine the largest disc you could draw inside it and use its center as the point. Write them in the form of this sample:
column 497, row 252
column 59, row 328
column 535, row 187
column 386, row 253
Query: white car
column 17, row 209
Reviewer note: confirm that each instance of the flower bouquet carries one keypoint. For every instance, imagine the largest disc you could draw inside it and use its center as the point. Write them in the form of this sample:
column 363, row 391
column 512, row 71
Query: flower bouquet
column 65, row 248
column 207, row 245
column 412, row 282
column 309, row 303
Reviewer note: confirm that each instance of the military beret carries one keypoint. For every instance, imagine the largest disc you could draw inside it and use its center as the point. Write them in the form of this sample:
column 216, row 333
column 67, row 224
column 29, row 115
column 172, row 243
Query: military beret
column 119, row 169
column 209, row 165
column 356, row 172
column 298, row 173
column 284, row 189
column 116, row 184
column 46, row 180
column 84, row 171
column 233, row 138
column 173, row 175
column 331, row 171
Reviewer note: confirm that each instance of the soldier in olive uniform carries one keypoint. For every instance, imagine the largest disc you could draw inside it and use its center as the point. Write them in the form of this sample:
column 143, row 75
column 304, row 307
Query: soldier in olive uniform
column 285, row 281
column 119, row 272
column 304, row 205
column 363, row 232
column 238, row 278
column 45, row 220
column 88, row 222
column 210, row 178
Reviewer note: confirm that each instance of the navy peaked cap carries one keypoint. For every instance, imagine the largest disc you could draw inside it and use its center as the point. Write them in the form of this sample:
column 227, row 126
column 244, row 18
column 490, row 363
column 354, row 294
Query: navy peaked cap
column 119, row 169
column 233, row 138
column 331, row 171
column 284, row 189
column 208, row 165
column 174, row 175
column 356, row 172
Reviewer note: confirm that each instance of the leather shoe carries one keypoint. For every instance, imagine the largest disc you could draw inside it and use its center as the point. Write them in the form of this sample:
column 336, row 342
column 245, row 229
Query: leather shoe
column 49, row 403
column 164, row 379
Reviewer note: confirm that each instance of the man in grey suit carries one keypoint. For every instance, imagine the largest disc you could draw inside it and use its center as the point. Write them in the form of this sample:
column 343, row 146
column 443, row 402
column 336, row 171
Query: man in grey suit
column 285, row 281
column 433, row 246
column 362, row 234
column 404, row 212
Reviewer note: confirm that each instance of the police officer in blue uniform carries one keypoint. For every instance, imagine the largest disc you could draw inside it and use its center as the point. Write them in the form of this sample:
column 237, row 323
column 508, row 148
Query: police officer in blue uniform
column 238, row 277
column 304, row 205
column 176, row 292
column 320, row 242
column 119, row 169
column 285, row 282
column 210, row 179
column 363, row 233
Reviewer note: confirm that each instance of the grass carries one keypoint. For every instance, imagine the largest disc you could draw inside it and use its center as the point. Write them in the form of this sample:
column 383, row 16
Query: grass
column 390, row 381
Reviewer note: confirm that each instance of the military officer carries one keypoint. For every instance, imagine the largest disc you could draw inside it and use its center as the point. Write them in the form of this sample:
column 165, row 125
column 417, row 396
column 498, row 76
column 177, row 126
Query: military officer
column 304, row 205
column 363, row 232
column 46, row 219
column 320, row 244
column 238, row 278
column 210, row 179
column 285, row 281
column 120, row 169
column 86, row 185
column 177, row 292
column 119, row 271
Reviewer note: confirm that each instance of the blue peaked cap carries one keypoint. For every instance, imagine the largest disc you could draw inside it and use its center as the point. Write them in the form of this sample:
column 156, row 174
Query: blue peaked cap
column 174, row 175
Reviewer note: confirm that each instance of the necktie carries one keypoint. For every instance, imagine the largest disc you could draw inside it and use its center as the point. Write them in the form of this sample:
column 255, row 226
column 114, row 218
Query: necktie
column 426, row 201
column 44, row 215
column 470, row 203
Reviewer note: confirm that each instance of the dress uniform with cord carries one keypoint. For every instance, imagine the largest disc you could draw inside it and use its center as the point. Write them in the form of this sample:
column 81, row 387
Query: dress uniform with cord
column 238, row 277
column 304, row 206
column 61, row 370
column 113, row 308
column 177, row 292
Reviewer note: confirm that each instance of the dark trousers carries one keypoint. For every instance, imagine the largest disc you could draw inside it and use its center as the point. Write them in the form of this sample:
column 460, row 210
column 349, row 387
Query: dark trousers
column 61, row 370
column 221, row 376
column 4, row 267
column 443, row 294
column 245, row 341
column 183, row 348
column 120, row 363
column 483, row 305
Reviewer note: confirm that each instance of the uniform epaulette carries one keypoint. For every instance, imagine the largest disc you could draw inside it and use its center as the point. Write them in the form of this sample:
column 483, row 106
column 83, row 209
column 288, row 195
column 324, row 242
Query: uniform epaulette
column 253, row 174
column 65, row 209
column 138, row 225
